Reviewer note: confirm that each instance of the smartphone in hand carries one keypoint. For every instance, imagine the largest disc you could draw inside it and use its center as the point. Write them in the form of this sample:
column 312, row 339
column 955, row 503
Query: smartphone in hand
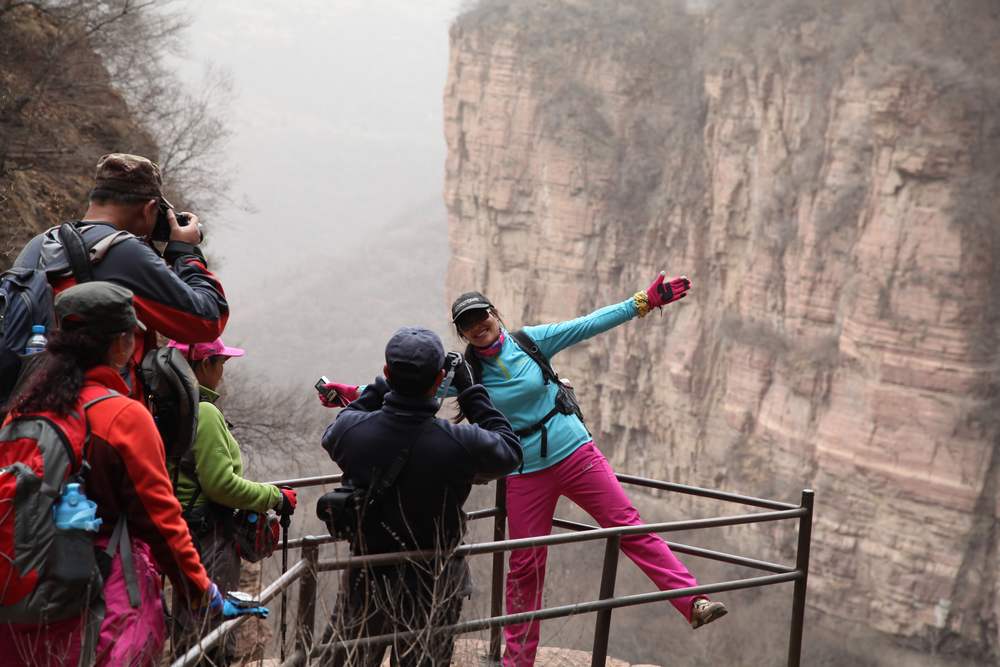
column 331, row 394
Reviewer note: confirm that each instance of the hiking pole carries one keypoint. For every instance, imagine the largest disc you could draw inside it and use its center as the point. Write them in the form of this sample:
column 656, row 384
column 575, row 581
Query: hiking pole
column 286, row 521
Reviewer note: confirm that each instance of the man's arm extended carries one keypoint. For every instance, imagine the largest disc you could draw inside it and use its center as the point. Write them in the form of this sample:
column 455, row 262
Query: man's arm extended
column 370, row 400
column 489, row 439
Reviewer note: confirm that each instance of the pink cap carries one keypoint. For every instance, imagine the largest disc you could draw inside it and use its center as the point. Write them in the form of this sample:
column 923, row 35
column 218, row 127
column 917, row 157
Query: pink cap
column 200, row 351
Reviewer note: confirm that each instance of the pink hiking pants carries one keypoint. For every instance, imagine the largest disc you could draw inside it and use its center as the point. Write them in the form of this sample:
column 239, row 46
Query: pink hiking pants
column 586, row 478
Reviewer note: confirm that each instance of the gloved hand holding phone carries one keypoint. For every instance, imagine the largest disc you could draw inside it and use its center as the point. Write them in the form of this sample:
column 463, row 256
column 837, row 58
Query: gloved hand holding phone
column 334, row 394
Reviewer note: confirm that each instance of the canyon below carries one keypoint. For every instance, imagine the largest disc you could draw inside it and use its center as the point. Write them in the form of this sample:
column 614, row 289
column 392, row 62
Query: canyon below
column 827, row 174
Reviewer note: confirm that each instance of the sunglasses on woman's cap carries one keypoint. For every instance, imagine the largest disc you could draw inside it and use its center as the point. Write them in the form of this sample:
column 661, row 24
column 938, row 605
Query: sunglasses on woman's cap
column 471, row 318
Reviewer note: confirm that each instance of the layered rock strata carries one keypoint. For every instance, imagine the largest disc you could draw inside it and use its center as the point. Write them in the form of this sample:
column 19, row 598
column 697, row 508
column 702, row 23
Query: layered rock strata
column 826, row 174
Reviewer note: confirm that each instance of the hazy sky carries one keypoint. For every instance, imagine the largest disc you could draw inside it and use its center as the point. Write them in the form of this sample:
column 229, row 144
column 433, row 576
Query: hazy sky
column 338, row 142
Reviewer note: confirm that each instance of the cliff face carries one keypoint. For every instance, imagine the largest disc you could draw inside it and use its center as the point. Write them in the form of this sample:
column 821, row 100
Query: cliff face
column 826, row 174
column 58, row 115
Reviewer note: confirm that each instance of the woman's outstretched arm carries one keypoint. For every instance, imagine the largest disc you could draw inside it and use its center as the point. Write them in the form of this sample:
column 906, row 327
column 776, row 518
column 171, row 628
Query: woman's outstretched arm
column 552, row 338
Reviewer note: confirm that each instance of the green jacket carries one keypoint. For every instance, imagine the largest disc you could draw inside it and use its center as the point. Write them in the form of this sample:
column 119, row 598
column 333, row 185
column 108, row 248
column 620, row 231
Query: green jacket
column 219, row 466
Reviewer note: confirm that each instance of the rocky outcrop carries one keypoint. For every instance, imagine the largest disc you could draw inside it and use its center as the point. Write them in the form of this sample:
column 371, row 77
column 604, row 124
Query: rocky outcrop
column 826, row 173
column 58, row 114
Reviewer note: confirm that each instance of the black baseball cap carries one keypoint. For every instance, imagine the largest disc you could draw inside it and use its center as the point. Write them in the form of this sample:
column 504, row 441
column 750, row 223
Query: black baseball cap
column 414, row 356
column 100, row 305
column 469, row 301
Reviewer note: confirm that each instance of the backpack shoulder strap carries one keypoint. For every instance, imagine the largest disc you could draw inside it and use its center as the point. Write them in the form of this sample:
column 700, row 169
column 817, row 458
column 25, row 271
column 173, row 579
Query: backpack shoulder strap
column 76, row 252
column 383, row 480
column 187, row 465
column 119, row 536
column 111, row 394
column 530, row 348
column 475, row 363
column 85, row 462
column 121, row 543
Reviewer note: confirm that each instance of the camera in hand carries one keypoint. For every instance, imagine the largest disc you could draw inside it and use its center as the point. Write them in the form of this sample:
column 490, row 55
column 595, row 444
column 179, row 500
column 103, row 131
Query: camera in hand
column 340, row 510
column 452, row 360
column 161, row 231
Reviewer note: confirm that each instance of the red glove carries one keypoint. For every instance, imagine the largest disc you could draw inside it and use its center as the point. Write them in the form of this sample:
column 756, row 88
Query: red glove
column 662, row 291
column 335, row 395
column 289, row 499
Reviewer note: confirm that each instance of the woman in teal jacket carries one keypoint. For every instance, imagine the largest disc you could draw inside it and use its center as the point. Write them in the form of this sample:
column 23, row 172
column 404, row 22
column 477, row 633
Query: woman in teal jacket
column 211, row 487
column 560, row 458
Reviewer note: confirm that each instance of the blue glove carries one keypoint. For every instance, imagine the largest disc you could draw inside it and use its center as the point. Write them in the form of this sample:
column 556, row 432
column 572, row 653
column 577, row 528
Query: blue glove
column 234, row 607
column 215, row 602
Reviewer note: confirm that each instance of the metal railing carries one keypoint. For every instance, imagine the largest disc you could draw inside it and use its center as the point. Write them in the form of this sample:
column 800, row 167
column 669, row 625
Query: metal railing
column 309, row 566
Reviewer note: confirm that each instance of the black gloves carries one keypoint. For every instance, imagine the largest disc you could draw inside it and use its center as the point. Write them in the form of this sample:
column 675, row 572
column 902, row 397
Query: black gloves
column 463, row 376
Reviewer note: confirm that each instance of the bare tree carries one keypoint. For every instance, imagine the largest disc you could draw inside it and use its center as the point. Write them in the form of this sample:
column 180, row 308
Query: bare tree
column 132, row 38
column 191, row 131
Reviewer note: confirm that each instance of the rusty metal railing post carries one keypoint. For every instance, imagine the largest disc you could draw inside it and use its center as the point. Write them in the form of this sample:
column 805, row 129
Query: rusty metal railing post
column 305, row 620
column 799, row 595
column 602, row 629
column 496, row 590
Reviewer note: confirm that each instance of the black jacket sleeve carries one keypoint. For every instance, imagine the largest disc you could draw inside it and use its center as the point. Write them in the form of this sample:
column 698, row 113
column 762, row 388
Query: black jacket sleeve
column 489, row 439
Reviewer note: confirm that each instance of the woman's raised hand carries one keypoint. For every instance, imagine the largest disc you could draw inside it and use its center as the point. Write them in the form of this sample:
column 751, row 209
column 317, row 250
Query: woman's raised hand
column 664, row 291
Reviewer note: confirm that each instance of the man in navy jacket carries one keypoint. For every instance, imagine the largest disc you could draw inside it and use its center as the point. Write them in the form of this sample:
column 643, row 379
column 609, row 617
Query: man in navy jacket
column 393, row 424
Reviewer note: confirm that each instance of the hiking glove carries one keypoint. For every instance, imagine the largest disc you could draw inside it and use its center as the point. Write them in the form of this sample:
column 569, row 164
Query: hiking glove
column 335, row 395
column 289, row 499
column 463, row 376
column 661, row 292
column 211, row 601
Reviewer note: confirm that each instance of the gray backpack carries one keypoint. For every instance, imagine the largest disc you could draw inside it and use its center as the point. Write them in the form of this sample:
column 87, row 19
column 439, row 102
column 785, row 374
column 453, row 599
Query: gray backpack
column 46, row 574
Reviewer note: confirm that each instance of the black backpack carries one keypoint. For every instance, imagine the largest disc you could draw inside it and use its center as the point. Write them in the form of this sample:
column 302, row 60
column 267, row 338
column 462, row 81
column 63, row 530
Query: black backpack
column 26, row 300
column 172, row 394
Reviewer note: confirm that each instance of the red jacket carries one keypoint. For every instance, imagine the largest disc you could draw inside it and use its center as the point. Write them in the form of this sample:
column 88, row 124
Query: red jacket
column 175, row 296
column 129, row 475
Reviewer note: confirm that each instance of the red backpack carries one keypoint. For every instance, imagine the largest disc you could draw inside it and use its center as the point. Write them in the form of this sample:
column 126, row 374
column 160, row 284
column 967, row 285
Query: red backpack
column 46, row 574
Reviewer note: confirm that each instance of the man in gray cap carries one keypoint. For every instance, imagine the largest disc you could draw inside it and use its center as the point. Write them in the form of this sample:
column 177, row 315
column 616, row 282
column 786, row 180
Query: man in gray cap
column 418, row 470
column 175, row 294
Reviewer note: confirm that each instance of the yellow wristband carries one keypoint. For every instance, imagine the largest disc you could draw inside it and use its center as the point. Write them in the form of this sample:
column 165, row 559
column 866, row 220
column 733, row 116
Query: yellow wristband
column 641, row 300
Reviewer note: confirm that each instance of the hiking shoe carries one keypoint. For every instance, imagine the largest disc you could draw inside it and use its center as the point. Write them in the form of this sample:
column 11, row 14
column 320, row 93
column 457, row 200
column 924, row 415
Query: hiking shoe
column 705, row 611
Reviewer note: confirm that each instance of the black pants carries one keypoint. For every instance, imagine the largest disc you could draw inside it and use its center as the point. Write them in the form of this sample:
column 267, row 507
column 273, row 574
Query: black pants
column 222, row 563
column 415, row 597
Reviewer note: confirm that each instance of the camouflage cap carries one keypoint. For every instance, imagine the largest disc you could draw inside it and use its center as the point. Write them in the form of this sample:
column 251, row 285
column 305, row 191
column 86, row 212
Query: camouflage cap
column 98, row 304
column 129, row 175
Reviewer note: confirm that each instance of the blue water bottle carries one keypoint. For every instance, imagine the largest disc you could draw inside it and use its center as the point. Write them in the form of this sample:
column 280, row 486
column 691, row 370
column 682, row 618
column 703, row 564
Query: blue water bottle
column 37, row 342
column 75, row 511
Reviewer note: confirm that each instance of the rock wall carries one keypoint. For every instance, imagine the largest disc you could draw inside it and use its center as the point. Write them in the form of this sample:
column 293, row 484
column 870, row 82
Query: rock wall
column 826, row 174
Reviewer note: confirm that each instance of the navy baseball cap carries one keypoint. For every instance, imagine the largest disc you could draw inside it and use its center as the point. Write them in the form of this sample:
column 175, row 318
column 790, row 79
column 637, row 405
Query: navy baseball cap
column 414, row 356
column 469, row 301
